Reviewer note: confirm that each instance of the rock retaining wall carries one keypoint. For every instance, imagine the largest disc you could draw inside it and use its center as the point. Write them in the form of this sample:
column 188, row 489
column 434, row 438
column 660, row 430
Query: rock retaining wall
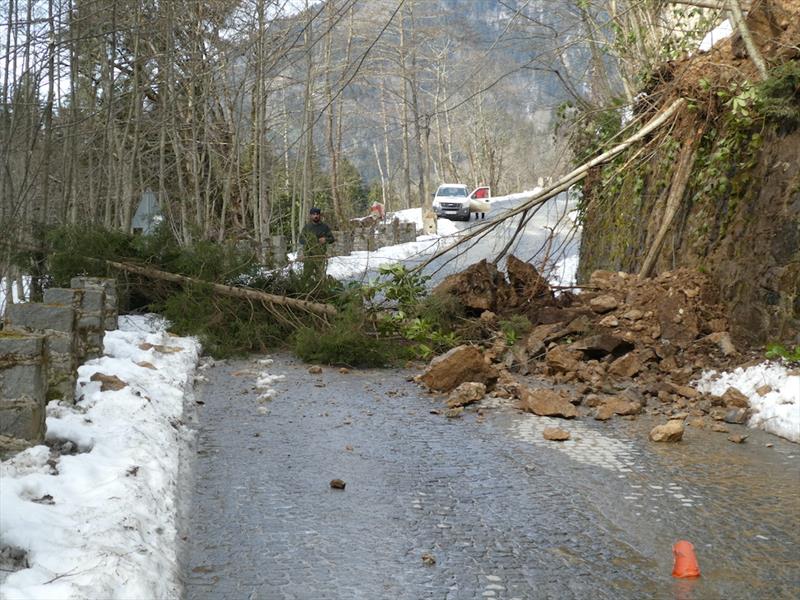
column 41, row 346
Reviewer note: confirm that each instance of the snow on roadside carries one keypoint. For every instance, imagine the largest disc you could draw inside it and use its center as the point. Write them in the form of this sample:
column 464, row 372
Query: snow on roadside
column 719, row 33
column 104, row 525
column 778, row 410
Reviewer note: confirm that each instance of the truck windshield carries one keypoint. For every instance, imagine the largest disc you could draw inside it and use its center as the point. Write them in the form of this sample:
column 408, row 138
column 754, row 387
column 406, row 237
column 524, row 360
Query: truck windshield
column 452, row 191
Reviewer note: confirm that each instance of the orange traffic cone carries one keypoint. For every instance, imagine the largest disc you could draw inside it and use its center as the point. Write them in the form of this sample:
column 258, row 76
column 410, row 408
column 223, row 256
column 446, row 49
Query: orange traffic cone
column 685, row 560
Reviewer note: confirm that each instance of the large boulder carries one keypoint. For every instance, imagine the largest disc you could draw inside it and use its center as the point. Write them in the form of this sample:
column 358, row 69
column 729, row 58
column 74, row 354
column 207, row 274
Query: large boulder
column 546, row 403
column 462, row 363
column 672, row 431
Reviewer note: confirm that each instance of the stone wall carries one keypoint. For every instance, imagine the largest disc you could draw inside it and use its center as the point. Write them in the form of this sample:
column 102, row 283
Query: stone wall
column 368, row 235
column 41, row 347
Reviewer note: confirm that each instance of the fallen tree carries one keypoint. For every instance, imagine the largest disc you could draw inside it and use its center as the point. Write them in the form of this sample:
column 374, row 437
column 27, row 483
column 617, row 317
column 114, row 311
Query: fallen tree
column 228, row 290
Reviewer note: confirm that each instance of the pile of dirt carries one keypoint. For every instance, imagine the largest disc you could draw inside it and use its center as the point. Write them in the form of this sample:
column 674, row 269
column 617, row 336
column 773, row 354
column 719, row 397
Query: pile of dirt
column 626, row 345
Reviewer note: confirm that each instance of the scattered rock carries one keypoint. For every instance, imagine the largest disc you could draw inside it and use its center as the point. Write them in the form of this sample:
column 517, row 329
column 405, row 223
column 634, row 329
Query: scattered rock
column 462, row 363
column 737, row 416
column 488, row 317
column 428, row 559
column 598, row 346
column 603, row 304
column 108, row 383
column 686, row 391
column 734, row 398
column 561, row 359
column 737, row 438
column 723, row 340
column 546, row 403
column 454, row 413
column 147, row 365
column 626, row 366
column 466, row 393
column 338, row 484
column 555, row 434
column 160, row 348
column 344, row 370
column 763, row 390
column 719, row 428
column 608, row 321
column 697, row 423
column 672, row 431
column 315, row 370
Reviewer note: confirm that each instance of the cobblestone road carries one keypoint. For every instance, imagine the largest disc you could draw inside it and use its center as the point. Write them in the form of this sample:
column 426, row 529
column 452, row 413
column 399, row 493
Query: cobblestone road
column 504, row 513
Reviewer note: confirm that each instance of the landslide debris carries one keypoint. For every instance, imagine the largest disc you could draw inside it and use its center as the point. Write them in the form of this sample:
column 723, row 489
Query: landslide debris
column 624, row 346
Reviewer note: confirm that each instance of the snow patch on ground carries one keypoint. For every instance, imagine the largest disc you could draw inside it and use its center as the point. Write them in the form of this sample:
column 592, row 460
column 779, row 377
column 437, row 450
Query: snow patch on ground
column 103, row 526
column 777, row 411
column 719, row 33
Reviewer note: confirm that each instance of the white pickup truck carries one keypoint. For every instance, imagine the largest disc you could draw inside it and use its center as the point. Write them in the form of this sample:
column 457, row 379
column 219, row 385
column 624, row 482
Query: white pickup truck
column 454, row 201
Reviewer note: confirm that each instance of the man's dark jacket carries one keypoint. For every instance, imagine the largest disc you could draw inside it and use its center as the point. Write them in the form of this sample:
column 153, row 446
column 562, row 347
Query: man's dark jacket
column 310, row 235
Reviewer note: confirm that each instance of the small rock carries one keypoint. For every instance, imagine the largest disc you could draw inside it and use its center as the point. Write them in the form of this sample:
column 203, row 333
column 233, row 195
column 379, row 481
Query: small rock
column 593, row 400
column 672, row 431
column 737, row 416
column 735, row 398
column 603, row 413
column 428, row 559
column 763, row 390
column 681, row 415
column 555, row 434
column 684, row 390
column 633, row 314
column 769, row 445
column 737, row 438
column 108, row 383
column 344, row 370
column 453, row 413
column 348, row 448
column 603, row 304
column 147, row 365
column 315, row 370
column 488, row 317
column 338, row 484
column 466, row 393
column 698, row 423
column 723, row 340
column 608, row 321
column 626, row 366
column 719, row 428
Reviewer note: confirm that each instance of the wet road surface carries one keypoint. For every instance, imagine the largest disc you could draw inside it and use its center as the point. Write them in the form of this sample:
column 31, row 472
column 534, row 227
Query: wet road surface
column 505, row 513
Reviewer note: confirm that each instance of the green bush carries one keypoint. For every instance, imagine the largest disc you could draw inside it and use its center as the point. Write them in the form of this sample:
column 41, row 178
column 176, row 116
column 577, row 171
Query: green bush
column 349, row 340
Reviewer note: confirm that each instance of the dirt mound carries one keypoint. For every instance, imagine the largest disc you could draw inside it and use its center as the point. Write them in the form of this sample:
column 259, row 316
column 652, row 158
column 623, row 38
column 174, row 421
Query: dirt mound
column 626, row 345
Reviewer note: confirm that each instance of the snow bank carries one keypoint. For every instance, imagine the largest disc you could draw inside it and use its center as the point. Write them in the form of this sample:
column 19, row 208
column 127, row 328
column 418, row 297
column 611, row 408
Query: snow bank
column 720, row 32
column 777, row 411
column 104, row 525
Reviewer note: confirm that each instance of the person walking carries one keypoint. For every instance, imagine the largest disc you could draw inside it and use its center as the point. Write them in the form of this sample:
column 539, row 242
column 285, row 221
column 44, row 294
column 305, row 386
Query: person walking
column 314, row 240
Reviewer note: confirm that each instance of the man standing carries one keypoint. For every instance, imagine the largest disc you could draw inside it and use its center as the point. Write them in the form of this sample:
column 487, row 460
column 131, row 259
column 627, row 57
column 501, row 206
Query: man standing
column 314, row 239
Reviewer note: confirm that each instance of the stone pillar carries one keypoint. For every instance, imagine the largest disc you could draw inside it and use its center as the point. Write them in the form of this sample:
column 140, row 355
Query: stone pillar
column 277, row 251
column 57, row 323
column 109, row 287
column 89, row 305
column 22, row 390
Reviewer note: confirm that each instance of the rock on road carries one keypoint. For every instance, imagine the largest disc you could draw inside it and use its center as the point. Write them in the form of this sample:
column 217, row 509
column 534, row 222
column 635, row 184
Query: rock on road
column 476, row 507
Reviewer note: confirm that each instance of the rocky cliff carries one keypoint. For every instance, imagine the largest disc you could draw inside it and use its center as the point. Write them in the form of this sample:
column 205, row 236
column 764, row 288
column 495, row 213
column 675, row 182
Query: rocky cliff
column 719, row 189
